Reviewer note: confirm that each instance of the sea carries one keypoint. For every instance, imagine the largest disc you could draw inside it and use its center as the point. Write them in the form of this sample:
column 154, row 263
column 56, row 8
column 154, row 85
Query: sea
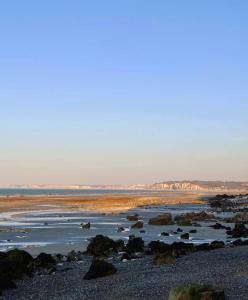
column 64, row 192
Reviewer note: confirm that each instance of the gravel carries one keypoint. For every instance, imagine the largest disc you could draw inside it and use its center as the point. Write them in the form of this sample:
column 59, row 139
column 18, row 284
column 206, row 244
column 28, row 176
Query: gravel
column 141, row 279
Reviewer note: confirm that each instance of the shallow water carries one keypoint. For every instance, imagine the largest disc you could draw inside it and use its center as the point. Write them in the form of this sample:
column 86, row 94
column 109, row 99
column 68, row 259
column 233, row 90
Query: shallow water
column 57, row 231
column 63, row 192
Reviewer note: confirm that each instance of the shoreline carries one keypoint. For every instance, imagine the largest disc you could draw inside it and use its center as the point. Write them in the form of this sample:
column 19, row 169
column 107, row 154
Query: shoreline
column 141, row 278
column 107, row 203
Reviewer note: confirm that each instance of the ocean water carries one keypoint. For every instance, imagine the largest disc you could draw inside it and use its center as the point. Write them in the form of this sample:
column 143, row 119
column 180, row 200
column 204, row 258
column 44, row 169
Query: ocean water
column 63, row 192
column 54, row 230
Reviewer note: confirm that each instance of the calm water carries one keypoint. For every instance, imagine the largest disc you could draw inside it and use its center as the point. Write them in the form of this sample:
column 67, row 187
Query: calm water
column 55, row 230
column 75, row 192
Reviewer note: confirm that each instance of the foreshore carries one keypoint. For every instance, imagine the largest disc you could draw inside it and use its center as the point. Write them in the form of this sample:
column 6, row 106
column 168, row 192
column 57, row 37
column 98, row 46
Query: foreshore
column 142, row 279
column 153, row 243
column 99, row 203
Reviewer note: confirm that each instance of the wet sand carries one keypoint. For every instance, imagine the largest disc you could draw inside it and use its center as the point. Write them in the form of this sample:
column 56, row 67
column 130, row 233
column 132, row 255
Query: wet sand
column 100, row 203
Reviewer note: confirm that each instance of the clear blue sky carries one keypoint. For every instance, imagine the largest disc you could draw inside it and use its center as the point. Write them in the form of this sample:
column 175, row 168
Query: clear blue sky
column 123, row 91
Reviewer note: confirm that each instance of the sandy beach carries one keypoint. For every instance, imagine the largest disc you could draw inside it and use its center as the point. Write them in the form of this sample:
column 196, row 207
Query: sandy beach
column 100, row 203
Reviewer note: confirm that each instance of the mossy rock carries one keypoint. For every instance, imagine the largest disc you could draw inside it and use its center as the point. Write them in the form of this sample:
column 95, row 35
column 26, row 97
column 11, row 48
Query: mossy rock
column 195, row 291
column 165, row 258
column 19, row 257
column 16, row 264
column 72, row 256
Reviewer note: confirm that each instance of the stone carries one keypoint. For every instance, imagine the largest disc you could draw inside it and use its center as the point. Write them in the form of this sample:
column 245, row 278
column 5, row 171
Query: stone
column 218, row 226
column 100, row 268
column 165, row 234
column 86, row 225
column 159, row 247
column 239, row 231
column 192, row 217
column 135, row 244
column 163, row 219
column 101, row 245
column 132, row 218
column 138, row 225
column 195, row 291
column 44, row 261
column 185, row 236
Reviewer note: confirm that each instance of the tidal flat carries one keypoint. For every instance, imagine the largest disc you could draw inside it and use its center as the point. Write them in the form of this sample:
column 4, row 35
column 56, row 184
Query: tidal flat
column 132, row 246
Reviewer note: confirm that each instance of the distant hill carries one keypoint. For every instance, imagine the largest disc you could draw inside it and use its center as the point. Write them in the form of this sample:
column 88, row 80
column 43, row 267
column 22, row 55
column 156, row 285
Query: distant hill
column 197, row 185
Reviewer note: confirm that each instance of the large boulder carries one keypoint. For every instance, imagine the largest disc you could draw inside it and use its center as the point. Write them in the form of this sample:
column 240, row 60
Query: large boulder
column 100, row 268
column 163, row 219
column 212, row 246
column 238, row 231
column 44, row 260
column 218, row 226
column 138, row 225
column 132, row 218
column 188, row 218
column 101, row 245
column 16, row 264
column 159, row 247
column 195, row 291
column 135, row 244
column 181, row 248
column 6, row 283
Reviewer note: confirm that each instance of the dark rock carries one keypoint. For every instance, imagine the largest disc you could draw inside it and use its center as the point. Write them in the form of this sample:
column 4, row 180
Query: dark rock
column 218, row 226
column 165, row 258
column 239, row 231
column 101, row 245
column 119, row 245
column 203, row 247
column 193, row 231
column 181, row 248
column 240, row 242
column 58, row 257
column 195, row 291
column 135, row 244
column 86, row 225
column 211, row 246
column 217, row 244
column 43, row 261
column 183, row 223
column 159, row 247
column 165, row 234
column 142, row 231
column 120, row 229
column 16, row 264
column 132, row 218
column 179, row 230
column 72, row 256
column 100, row 268
column 138, row 225
column 6, row 283
column 187, row 219
column 185, row 236
column 163, row 219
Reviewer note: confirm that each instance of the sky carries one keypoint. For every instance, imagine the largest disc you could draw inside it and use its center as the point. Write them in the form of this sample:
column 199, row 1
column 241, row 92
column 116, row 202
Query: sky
column 123, row 92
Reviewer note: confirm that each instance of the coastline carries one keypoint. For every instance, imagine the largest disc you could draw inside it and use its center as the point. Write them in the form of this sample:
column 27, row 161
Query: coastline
column 141, row 279
column 107, row 203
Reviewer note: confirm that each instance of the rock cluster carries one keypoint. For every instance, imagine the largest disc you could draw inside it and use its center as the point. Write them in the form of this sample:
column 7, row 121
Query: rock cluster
column 196, row 291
